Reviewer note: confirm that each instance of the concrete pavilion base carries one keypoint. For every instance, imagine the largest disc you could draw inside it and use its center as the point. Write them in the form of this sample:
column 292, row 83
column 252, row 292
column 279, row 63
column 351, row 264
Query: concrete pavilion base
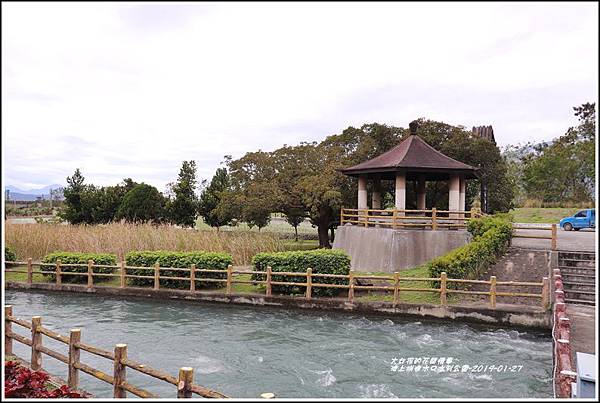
column 389, row 250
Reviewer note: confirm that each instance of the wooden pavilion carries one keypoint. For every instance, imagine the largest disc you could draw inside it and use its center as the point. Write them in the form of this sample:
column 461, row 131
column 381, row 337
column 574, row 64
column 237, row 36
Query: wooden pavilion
column 412, row 160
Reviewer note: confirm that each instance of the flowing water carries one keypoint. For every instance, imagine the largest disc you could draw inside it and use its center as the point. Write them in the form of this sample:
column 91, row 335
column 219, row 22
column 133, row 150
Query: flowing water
column 244, row 351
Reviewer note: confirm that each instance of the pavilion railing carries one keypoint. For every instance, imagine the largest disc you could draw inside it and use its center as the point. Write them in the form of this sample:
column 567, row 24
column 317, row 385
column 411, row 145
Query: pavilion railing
column 425, row 219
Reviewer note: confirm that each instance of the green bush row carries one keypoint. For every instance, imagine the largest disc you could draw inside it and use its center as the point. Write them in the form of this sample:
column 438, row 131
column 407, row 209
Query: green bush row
column 202, row 260
column 79, row 258
column 322, row 261
column 9, row 254
column 491, row 238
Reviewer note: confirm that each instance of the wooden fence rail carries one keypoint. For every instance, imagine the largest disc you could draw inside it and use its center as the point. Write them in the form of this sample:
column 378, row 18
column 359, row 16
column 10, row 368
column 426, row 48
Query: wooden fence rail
column 185, row 385
column 553, row 236
column 394, row 218
column 351, row 284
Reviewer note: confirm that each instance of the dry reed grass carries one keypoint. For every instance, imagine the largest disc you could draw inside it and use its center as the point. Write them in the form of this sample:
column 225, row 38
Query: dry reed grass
column 37, row 240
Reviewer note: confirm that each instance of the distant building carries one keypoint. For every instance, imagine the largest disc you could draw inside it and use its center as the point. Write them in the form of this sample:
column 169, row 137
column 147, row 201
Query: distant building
column 485, row 132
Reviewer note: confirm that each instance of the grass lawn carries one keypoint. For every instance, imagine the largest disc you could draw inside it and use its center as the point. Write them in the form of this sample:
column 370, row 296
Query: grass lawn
column 277, row 224
column 414, row 297
column 542, row 215
column 306, row 244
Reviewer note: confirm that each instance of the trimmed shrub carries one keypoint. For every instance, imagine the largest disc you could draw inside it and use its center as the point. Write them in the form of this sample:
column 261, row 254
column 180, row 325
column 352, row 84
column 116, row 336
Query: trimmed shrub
column 9, row 255
column 182, row 260
column 322, row 261
column 79, row 258
column 491, row 237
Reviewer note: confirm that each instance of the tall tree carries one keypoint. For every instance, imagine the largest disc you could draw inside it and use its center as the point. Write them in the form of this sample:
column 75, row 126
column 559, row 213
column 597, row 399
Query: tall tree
column 143, row 203
column 564, row 169
column 211, row 196
column 73, row 209
column 184, row 207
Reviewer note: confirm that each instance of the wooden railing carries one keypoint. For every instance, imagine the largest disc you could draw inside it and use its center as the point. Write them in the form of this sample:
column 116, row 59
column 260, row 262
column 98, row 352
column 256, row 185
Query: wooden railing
column 425, row 219
column 552, row 236
column 184, row 383
column 350, row 281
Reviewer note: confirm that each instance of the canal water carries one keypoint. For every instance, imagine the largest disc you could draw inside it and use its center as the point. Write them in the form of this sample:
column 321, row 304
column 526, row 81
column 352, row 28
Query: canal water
column 244, row 351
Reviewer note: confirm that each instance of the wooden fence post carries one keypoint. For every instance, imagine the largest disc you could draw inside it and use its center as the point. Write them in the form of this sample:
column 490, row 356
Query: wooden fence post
column 90, row 276
column 29, row 271
column 433, row 219
column 122, row 285
column 493, row 292
column 545, row 293
column 396, row 288
column 308, row 283
column 7, row 328
column 229, row 278
column 553, row 236
column 267, row 395
column 366, row 217
column 120, row 371
column 443, row 278
column 193, row 277
column 74, row 354
column 186, row 379
column 351, row 286
column 156, row 276
column 269, row 291
column 36, row 343
column 58, row 274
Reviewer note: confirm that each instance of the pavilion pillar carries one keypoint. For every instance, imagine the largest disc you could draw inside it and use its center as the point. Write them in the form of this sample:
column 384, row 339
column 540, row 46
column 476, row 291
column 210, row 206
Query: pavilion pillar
column 463, row 190
column 454, row 194
column 421, row 193
column 400, row 201
column 376, row 199
column 362, row 192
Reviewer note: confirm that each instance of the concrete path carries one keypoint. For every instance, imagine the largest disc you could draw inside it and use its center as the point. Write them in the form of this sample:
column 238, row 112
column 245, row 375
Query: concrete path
column 583, row 332
column 582, row 240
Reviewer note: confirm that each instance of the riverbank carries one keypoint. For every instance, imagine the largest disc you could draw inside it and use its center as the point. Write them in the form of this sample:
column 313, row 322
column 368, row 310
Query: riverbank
column 503, row 314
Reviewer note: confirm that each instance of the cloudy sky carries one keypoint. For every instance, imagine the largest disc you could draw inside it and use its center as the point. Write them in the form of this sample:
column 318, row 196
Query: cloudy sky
column 131, row 90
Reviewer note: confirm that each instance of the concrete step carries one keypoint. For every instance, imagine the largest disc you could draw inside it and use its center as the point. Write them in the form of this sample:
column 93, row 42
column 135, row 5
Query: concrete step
column 581, row 295
column 586, row 263
column 562, row 259
column 570, row 253
column 578, row 270
column 569, row 286
column 578, row 277
column 579, row 301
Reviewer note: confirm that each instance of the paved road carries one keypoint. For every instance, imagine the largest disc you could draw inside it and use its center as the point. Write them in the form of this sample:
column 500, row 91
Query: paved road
column 583, row 240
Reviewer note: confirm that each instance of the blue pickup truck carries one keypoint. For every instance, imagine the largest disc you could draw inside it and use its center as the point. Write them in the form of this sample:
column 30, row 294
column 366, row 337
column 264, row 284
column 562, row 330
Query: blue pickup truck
column 579, row 220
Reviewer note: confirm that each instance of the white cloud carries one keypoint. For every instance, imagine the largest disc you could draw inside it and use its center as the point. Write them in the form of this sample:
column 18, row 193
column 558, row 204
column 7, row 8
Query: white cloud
column 145, row 86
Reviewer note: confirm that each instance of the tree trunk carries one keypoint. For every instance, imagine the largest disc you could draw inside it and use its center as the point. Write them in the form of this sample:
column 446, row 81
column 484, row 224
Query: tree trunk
column 324, row 221
column 332, row 234
column 296, row 232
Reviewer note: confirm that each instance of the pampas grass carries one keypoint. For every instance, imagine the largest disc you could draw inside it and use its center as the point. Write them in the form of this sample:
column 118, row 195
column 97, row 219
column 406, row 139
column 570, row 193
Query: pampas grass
column 36, row 240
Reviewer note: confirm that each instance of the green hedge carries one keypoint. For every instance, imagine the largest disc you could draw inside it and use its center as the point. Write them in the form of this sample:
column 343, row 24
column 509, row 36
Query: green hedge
column 323, row 261
column 79, row 258
column 9, row 254
column 491, row 238
column 184, row 260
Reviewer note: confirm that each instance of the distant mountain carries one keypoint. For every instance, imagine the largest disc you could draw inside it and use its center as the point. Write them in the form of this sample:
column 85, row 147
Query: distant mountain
column 31, row 194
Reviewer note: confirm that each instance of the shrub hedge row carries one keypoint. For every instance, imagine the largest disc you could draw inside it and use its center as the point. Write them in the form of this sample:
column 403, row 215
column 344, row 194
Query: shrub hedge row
column 491, row 237
column 79, row 258
column 9, row 254
column 322, row 261
column 202, row 260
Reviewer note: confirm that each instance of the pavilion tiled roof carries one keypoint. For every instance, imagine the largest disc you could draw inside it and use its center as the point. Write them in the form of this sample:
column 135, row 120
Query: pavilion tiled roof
column 412, row 154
